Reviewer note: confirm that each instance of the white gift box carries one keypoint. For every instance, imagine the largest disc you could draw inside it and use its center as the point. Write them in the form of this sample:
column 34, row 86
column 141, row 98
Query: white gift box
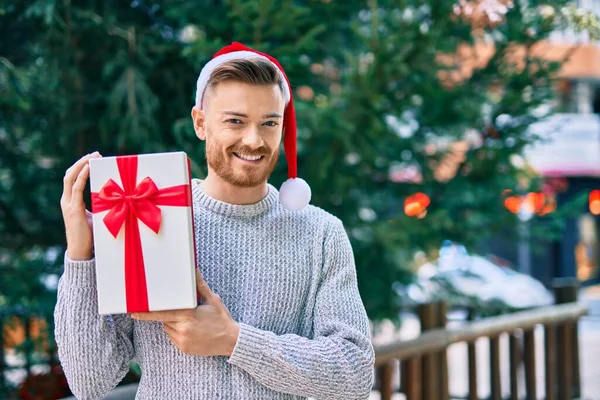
column 143, row 233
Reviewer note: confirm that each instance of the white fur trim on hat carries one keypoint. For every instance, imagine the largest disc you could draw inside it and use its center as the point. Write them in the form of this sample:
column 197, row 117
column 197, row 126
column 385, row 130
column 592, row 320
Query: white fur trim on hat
column 223, row 58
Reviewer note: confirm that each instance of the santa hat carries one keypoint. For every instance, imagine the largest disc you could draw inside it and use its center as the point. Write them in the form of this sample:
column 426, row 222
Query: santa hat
column 294, row 193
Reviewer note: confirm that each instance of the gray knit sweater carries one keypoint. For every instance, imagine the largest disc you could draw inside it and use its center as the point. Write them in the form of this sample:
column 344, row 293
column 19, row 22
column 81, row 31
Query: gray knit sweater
column 287, row 277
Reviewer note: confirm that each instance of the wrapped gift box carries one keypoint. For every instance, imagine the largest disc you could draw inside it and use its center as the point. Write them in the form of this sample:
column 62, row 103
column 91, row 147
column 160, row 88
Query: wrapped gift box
column 143, row 233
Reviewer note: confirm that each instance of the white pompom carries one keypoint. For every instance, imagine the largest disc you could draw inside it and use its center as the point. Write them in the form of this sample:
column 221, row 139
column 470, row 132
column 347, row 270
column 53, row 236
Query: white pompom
column 295, row 194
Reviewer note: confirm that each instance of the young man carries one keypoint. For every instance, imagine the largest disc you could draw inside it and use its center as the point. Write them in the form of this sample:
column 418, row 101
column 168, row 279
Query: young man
column 287, row 323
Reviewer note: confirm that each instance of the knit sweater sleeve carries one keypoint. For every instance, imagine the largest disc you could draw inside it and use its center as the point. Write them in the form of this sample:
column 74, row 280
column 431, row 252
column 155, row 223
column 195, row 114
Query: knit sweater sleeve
column 337, row 362
column 95, row 351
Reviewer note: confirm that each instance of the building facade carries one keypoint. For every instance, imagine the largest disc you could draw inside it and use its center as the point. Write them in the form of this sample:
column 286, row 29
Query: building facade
column 571, row 155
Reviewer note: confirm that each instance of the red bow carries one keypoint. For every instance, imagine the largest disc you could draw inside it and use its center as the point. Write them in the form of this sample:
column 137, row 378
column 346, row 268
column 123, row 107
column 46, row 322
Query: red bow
column 128, row 204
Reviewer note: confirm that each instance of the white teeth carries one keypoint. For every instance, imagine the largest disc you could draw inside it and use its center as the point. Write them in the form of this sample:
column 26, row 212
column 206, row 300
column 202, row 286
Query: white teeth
column 248, row 158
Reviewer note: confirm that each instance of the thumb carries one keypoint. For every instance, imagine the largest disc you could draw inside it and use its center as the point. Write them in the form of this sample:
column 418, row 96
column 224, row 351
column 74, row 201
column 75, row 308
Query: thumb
column 203, row 289
column 90, row 219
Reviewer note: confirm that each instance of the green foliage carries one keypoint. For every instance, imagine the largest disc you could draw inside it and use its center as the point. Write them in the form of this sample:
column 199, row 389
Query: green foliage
column 119, row 77
column 395, row 112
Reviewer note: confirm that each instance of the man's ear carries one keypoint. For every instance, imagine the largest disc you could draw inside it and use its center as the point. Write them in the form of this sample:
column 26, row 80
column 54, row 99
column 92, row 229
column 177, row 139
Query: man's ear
column 199, row 122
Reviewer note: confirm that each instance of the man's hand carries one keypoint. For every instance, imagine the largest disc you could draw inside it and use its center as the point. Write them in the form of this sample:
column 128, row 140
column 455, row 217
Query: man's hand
column 78, row 222
column 207, row 330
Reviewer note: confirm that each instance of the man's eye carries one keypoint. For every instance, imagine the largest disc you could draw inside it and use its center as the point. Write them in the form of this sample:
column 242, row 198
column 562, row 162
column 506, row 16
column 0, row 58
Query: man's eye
column 271, row 123
column 234, row 121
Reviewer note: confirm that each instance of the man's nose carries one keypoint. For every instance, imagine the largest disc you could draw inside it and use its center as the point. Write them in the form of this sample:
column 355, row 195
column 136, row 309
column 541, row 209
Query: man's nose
column 252, row 138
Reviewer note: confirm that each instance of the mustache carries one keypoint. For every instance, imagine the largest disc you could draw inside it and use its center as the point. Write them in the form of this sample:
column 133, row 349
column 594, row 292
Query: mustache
column 261, row 151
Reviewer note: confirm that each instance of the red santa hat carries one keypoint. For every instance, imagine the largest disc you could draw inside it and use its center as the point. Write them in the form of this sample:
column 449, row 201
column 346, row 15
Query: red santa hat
column 295, row 193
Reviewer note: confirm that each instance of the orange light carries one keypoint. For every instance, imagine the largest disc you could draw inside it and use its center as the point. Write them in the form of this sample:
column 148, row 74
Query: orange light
column 416, row 204
column 513, row 204
column 535, row 201
column 550, row 205
column 539, row 203
column 594, row 202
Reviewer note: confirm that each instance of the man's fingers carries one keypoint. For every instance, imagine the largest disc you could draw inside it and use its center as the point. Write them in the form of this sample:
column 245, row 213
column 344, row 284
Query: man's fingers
column 203, row 289
column 159, row 316
column 90, row 218
column 73, row 171
column 80, row 182
column 72, row 174
column 171, row 333
column 170, row 330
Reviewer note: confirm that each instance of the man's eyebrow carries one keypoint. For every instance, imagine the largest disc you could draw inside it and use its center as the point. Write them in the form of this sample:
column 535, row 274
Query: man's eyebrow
column 242, row 115
column 235, row 113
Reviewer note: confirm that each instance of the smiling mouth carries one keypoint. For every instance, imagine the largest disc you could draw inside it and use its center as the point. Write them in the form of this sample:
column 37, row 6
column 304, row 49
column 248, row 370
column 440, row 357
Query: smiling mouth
column 249, row 158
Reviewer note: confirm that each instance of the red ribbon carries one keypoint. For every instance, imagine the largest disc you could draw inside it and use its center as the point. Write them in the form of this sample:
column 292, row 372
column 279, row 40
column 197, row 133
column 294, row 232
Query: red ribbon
column 126, row 206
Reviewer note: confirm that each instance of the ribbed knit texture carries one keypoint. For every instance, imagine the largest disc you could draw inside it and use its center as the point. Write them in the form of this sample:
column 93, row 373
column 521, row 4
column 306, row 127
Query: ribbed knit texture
column 287, row 277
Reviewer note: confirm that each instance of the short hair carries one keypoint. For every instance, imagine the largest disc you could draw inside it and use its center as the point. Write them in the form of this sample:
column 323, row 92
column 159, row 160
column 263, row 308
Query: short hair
column 253, row 71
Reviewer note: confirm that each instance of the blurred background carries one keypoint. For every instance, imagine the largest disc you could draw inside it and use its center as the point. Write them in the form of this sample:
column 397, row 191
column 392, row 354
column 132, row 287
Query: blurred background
column 458, row 141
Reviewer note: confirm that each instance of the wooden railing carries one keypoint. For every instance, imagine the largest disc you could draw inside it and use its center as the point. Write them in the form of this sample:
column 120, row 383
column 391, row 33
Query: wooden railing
column 424, row 365
column 423, row 361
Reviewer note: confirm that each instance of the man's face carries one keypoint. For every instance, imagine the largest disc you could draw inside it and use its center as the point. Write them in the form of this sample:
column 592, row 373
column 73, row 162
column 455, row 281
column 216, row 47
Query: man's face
column 242, row 126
